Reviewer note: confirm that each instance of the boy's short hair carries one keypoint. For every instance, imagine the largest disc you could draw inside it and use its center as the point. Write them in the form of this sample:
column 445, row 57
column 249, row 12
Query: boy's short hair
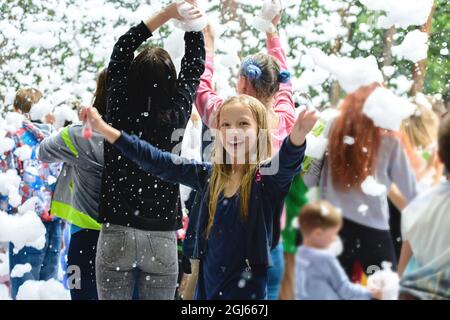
column 444, row 141
column 26, row 98
column 319, row 214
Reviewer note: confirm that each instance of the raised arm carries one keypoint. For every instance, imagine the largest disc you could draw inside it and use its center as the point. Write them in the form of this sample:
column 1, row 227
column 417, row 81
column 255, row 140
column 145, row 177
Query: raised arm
column 192, row 67
column 165, row 165
column 123, row 51
column 207, row 100
column 121, row 59
column 123, row 55
column 287, row 163
column 284, row 104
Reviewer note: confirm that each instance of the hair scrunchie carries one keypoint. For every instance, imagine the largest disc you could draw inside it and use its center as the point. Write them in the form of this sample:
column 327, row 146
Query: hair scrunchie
column 251, row 69
column 284, row 76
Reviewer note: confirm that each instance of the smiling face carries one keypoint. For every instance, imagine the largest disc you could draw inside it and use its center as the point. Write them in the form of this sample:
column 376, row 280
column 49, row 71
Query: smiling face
column 238, row 132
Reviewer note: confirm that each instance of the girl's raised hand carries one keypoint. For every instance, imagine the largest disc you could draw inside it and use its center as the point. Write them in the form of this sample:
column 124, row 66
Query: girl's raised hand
column 183, row 10
column 208, row 33
column 90, row 115
column 304, row 124
column 277, row 18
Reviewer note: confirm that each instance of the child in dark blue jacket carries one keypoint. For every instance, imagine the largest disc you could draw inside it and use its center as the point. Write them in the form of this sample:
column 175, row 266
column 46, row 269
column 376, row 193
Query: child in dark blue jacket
column 243, row 193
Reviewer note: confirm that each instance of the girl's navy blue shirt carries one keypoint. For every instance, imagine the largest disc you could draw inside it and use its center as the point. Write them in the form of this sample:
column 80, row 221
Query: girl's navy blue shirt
column 270, row 186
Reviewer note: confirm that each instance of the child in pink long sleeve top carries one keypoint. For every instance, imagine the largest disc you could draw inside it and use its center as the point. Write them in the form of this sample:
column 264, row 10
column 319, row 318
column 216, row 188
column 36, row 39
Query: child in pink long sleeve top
column 265, row 77
column 271, row 86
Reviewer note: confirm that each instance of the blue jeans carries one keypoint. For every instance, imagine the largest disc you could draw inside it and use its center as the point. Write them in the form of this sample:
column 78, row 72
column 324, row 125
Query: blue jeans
column 44, row 263
column 127, row 257
column 275, row 273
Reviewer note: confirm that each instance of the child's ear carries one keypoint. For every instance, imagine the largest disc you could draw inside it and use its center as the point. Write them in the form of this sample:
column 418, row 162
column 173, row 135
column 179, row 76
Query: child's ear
column 317, row 232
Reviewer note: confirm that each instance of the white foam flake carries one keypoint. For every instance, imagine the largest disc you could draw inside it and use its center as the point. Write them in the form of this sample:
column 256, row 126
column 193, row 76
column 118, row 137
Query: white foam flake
column 363, row 209
column 414, row 47
column 351, row 73
column 385, row 280
column 23, row 153
column 42, row 290
column 387, row 110
column 41, row 109
column 64, row 113
column 316, row 146
column 372, row 188
column 401, row 13
column 349, row 140
column 6, row 145
column 263, row 21
column 422, row 100
column 19, row 270
column 22, row 230
column 336, row 248
column 14, row 121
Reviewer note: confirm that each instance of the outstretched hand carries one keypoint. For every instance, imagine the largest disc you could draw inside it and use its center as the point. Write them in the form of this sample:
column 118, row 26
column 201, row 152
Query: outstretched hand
column 276, row 5
column 304, row 124
column 91, row 115
column 277, row 18
column 181, row 10
column 184, row 10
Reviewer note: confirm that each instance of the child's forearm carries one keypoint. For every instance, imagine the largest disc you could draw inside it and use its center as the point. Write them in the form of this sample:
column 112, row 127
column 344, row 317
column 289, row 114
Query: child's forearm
column 397, row 198
column 157, row 20
column 405, row 256
column 109, row 133
column 297, row 139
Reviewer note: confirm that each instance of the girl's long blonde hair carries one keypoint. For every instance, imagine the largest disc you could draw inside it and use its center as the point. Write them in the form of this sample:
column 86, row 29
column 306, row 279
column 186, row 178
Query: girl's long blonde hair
column 421, row 128
column 420, row 132
column 222, row 169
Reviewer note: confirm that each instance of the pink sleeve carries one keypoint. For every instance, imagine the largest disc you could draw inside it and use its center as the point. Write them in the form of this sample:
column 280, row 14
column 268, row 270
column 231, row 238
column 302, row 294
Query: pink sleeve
column 207, row 100
column 284, row 104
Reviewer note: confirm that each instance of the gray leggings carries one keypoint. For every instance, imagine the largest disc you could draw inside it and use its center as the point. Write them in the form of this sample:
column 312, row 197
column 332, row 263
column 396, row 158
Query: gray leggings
column 121, row 251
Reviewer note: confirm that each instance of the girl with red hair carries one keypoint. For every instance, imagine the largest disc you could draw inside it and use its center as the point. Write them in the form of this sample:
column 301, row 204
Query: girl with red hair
column 358, row 149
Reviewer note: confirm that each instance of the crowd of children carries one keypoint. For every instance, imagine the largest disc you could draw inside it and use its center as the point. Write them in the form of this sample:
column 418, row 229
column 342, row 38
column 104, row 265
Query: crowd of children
column 252, row 230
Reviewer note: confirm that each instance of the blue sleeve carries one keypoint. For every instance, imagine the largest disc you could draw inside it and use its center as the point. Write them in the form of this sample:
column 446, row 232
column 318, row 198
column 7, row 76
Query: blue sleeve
column 165, row 165
column 342, row 285
column 284, row 166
